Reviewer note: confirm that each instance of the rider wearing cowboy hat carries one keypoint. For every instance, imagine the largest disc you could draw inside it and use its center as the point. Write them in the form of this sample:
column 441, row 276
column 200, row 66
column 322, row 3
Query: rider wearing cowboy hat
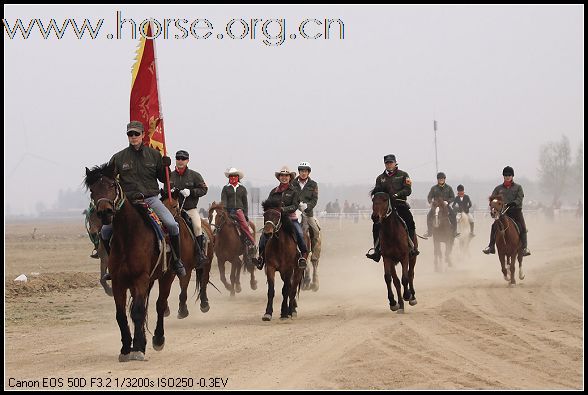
column 444, row 191
column 512, row 195
column 234, row 198
column 290, row 202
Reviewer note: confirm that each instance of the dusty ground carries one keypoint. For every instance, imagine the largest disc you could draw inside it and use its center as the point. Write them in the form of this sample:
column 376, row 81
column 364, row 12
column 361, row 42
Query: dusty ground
column 469, row 329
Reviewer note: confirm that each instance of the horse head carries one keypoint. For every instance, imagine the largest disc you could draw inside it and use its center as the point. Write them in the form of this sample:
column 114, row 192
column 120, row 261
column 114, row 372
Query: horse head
column 381, row 207
column 496, row 205
column 217, row 216
column 105, row 191
column 272, row 216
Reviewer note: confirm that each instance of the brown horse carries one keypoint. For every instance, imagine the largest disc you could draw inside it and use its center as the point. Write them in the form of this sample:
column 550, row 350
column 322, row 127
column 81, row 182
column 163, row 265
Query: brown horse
column 442, row 233
column 93, row 225
column 229, row 247
column 188, row 256
column 281, row 255
column 508, row 241
column 134, row 262
column 395, row 249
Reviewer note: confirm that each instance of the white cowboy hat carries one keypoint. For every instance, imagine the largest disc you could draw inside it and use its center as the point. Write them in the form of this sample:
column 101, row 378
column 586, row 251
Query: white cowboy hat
column 233, row 171
column 285, row 170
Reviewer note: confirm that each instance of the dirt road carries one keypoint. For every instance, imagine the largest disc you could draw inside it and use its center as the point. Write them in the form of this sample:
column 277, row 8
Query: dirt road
column 469, row 330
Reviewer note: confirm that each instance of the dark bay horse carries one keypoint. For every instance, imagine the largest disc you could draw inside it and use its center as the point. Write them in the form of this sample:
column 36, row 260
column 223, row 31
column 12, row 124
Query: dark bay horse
column 395, row 249
column 134, row 262
column 188, row 256
column 229, row 247
column 93, row 225
column 281, row 255
column 508, row 242
column 442, row 233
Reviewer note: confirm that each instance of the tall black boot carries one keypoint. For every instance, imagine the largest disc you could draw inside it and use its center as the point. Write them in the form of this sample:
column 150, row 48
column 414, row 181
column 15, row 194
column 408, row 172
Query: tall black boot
column 414, row 250
column 376, row 255
column 490, row 249
column 201, row 258
column 524, row 244
column 177, row 264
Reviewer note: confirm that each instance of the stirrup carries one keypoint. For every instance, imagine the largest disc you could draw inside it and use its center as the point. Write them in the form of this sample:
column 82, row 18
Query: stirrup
column 94, row 254
column 489, row 250
column 414, row 252
column 427, row 234
column 179, row 268
column 526, row 252
column 106, row 277
column 259, row 261
column 376, row 255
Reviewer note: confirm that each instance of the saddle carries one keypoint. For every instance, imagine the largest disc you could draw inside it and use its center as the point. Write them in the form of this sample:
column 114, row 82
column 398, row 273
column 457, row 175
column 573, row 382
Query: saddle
column 410, row 242
column 152, row 219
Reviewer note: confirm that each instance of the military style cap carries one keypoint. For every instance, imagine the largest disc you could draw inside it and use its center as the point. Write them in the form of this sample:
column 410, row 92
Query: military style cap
column 135, row 126
column 508, row 171
column 389, row 158
column 183, row 153
column 460, row 187
column 440, row 175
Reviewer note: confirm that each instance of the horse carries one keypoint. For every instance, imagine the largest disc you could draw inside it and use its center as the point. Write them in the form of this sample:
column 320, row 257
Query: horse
column 509, row 244
column 463, row 227
column 188, row 256
column 229, row 247
column 134, row 262
column 93, row 225
column 281, row 255
column 395, row 249
column 442, row 233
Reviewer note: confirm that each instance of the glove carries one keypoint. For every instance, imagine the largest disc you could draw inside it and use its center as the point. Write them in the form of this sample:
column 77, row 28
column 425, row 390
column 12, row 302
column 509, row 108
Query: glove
column 395, row 196
column 511, row 204
column 247, row 218
column 166, row 161
column 185, row 192
column 445, row 202
column 302, row 206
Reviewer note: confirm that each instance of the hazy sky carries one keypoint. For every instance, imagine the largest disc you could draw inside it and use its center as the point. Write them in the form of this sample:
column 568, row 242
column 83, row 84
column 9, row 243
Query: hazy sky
column 500, row 80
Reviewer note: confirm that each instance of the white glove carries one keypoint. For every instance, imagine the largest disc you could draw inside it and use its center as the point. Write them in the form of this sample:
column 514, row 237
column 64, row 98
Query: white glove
column 446, row 202
column 185, row 192
column 302, row 206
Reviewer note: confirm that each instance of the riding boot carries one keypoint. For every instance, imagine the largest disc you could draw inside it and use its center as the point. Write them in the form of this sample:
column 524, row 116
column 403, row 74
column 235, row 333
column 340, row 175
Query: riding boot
column 106, row 244
column 490, row 249
column 376, row 255
column 454, row 227
column 201, row 258
column 413, row 250
column 94, row 254
column 472, row 229
column 524, row 244
column 177, row 264
column 302, row 261
column 429, row 225
column 259, row 261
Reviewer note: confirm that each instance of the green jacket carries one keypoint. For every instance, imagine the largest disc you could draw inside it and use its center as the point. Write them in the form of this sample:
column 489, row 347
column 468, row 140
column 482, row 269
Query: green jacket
column 290, row 198
column 191, row 180
column 396, row 183
column 445, row 192
column 513, row 194
column 308, row 194
column 139, row 171
column 235, row 198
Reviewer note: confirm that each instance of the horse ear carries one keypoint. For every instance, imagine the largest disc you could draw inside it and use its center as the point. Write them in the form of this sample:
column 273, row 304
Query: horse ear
column 87, row 171
column 109, row 170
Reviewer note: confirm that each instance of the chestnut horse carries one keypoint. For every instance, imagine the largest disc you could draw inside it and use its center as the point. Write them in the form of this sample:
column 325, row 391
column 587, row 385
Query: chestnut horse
column 229, row 247
column 394, row 248
column 134, row 262
column 281, row 255
column 508, row 242
column 442, row 233
column 188, row 256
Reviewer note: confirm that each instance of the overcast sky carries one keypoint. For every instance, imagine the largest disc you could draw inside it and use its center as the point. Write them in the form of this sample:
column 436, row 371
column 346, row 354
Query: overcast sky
column 500, row 80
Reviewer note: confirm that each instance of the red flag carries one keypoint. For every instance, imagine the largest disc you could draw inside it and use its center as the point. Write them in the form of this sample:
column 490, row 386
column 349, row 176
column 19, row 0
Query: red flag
column 145, row 104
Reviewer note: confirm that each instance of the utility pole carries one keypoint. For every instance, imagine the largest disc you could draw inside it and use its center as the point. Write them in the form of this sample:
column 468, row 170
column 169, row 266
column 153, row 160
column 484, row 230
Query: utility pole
column 435, row 129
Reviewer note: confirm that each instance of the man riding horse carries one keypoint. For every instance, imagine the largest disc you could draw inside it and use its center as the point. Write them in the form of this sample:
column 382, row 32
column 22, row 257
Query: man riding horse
column 138, row 168
column 445, row 192
column 512, row 195
column 398, row 185
column 308, row 190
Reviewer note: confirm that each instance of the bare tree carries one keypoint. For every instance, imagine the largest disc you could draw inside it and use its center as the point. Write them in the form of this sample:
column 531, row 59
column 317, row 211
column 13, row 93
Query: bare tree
column 578, row 170
column 555, row 167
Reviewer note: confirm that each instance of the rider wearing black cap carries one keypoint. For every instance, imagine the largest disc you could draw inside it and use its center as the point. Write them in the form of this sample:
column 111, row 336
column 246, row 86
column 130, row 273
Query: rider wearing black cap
column 398, row 185
column 512, row 195
column 444, row 191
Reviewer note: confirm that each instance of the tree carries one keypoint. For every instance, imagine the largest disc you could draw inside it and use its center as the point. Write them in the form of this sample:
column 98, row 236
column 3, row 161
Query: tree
column 578, row 170
column 555, row 167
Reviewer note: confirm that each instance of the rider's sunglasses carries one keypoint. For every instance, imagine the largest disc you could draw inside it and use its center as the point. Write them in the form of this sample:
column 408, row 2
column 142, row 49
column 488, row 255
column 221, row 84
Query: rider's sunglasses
column 133, row 133
column 181, row 158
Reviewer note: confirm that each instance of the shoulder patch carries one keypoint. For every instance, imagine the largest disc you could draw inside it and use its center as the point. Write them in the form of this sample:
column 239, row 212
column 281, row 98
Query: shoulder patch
column 408, row 181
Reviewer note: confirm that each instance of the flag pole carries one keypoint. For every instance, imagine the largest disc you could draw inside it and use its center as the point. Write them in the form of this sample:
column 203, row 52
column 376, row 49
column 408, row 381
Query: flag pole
column 160, row 113
column 435, row 129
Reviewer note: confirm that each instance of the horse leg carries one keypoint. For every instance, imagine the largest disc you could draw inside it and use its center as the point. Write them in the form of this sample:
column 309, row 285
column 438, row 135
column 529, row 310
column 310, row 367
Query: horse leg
column 235, row 262
column 306, row 280
column 252, row 280
column 512, row 262
column 437, row 255
column 315, row 280
column 183, row 307
column 165, row 284
column 448, row 249
column 388, row 279
column 103, row 267
column 396, row 281
column 203, row 276
column 407, row 294
column 221, row 270
column 120, row 300
column 238, row 267
column 296, row 280
column 287, row 279
column 269, row 309
column 520, row 259
column 411, row 265
column 503, row 267
column 138, row 311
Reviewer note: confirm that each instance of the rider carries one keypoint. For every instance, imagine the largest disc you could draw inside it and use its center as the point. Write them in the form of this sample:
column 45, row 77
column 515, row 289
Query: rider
column 308, row 190
column 234, row 198
column 512, row 195
column 139, row 167
column 399, row 186
column 192, row 187
column 444, row 191
column 290, row 202
column 463, row 203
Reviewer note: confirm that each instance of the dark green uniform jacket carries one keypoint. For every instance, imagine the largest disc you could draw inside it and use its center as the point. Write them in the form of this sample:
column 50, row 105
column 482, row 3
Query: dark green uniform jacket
column 512, row 194
column 398, row 182
column 139, row 171
column 308, row 194
column 445, row 192
column 290, row 198
column 191, row 180
column 235, row 198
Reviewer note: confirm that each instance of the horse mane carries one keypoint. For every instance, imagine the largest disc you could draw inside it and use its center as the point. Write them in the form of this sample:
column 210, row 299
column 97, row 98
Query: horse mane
column 215, row 205
column 163, row 193
column 497, row 197
column 378, row 189
column 94, row 174
column 276, row 204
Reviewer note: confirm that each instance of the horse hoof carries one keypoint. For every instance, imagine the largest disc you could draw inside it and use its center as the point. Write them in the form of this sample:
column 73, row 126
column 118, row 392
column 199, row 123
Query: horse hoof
column 521, row 276
column 284, row 317
column 182, row 315
column 394, row 307
column 294, row 314
column 506, row 278
column 254, row 285
column 166, row 313
column 412, row 302
column 315, row 287
column 267, row 317
column 124, row 357
column 400, row 311
column 407, row 295
column 238, row 288
column 137, row 355
column 158, row 344
column 204, row 307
